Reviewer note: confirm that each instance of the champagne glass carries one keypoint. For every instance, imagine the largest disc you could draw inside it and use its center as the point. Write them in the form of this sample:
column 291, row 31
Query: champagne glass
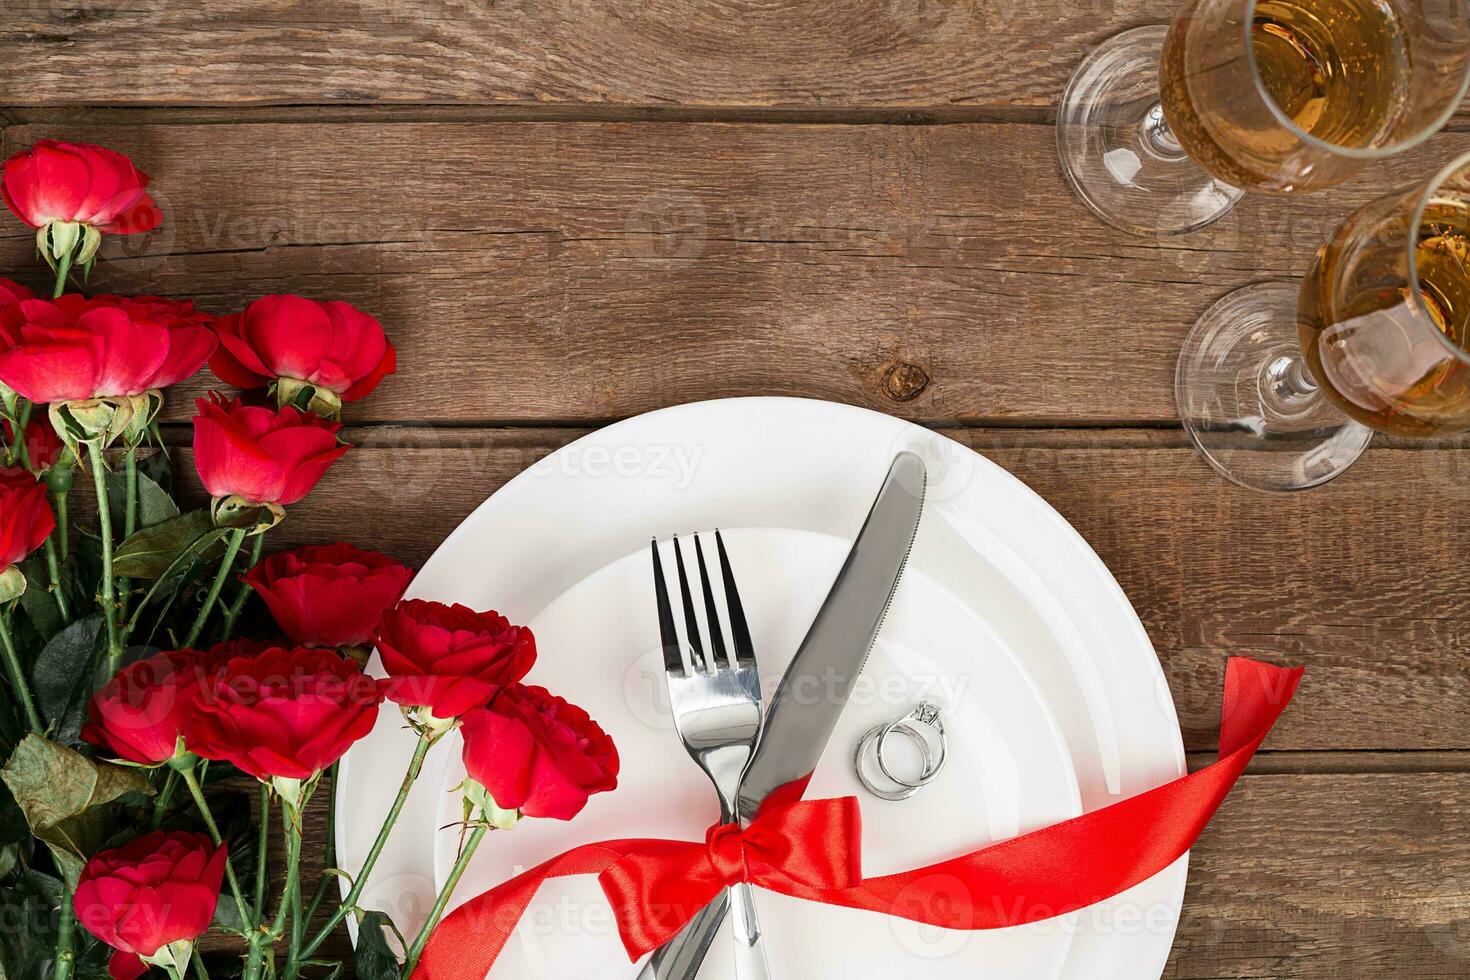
column 1161, row 130
column 1281, row 387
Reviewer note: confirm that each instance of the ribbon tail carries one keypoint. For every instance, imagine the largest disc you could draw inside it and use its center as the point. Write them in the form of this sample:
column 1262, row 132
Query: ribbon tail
column 467, row 942
column 1080, row 862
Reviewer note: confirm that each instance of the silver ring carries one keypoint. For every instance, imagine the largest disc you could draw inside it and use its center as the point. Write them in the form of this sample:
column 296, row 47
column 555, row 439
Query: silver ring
column 926, row 715
column 880, row 732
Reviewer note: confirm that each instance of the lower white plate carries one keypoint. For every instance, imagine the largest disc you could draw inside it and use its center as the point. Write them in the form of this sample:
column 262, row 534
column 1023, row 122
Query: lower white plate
column 1003, row 558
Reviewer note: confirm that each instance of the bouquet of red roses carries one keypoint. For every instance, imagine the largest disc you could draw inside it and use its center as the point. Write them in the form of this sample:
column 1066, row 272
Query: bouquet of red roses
column 134, row 716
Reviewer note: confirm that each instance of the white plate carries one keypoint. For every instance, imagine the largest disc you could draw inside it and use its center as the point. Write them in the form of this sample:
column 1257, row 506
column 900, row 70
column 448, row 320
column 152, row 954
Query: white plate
column 814, row 466
column 1008, row 770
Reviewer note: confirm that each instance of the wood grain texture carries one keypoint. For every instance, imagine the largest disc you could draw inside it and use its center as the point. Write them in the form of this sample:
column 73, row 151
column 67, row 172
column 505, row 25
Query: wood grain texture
column 838, row 53
column 535, row 272
column 1358, row 581
column 1310, row 877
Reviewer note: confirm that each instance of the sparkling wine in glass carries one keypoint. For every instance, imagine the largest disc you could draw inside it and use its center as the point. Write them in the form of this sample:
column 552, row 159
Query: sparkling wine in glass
column 1281, row 387
column 1161, row 130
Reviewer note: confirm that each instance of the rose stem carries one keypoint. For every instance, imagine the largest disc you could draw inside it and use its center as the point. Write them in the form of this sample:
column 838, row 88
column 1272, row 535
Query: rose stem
column 53, row 571
column 63, row 267
column 291, row 890
column 329, row 855
column 62, row 528
column 237, row 537
column 197, row 792
column 262, row 845
column 65, row 955
column 232, row 611
column 130, row 517
column 198, row 962
column 460, row 864
column 18, row 676
column 17, row 451
column 109, row 586
column 161, row 801
column 360, row 882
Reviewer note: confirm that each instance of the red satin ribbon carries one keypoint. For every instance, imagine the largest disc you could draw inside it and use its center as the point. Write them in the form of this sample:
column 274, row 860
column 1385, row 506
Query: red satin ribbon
column 810, row 850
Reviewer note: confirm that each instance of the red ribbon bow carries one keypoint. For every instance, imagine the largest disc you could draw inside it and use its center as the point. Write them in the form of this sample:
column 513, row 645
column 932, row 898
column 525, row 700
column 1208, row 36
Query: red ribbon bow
column 811, row 846
column 810, row 850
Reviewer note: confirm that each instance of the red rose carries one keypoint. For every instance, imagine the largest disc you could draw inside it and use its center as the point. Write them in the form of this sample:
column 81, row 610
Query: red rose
column 534, row 752
column 284, row 713
column 25, row 515
column 55, row 181
column 75, row 348
column 43, row 445
column 140, row 713
column 329, row 595
column 264, row 456
column 450, row 659
column 328, row 345
column 158, row 889
column 12, row 292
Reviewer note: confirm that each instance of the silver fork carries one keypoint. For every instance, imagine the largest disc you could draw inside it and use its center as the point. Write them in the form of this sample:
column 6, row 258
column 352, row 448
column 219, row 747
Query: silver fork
column 716, row 702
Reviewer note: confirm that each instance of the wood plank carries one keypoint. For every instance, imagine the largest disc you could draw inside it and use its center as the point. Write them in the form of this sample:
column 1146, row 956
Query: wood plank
column 591, row 52
column 1347, row 877
column 527, row 270
column 1360, row 580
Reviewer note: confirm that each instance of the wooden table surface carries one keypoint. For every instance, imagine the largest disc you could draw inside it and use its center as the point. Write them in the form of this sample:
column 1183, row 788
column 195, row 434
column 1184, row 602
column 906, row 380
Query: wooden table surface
column 568, row 212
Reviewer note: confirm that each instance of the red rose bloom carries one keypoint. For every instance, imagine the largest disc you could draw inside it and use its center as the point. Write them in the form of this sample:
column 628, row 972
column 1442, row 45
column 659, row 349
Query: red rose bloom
column 286, row 713
column 43, row 445
column 54, row 181
column 12, row 292
column 534, row 752
column 140, row 713
column 158, row 889
column 329, row 345
column 25, row 515
column 75, row 348
column 264, row 456
column 329, row 595
column 450, row 659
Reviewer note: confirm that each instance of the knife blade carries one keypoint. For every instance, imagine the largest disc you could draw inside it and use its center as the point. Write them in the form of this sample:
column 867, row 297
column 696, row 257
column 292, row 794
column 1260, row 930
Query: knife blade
column 819, row 681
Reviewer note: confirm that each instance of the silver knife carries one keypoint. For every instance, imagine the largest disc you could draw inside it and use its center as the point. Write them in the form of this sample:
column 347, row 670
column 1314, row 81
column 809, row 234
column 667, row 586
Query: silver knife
column 815, row 689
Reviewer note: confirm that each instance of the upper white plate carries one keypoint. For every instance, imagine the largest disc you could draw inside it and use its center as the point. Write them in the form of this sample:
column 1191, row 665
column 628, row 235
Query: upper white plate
column 986, row 540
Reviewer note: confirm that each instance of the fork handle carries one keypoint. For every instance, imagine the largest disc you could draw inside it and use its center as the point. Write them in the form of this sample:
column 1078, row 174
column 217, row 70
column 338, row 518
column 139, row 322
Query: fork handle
column 750, row 951
column 681, row 957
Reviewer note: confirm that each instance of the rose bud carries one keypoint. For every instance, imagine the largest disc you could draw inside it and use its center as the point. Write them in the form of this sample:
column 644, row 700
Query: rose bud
column 25, row 522
column 151, row 898
column 43, row 445
column 534, row 752
column 139, row 714
column 449, row 660
column 333, row 349
column 261, row 456
column 73, row 193
column 284, row 715
column 328, row 595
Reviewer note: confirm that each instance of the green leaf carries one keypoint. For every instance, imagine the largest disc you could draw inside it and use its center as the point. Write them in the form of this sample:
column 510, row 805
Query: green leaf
column 28, row 942
column 66, row 675
column 38, row 602
column 65, row 797
column 375, row 960
column 149, row 553
column 154, row 504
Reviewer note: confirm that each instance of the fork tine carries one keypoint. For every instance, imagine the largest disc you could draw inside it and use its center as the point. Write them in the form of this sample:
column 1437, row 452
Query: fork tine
column 716, row 635
column 691, row 621
column 739, row 631
column 668, row 635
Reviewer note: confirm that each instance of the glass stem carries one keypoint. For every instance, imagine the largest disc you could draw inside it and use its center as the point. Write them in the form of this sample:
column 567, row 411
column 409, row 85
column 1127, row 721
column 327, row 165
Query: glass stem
column 1287, row 386
column 1157, row 135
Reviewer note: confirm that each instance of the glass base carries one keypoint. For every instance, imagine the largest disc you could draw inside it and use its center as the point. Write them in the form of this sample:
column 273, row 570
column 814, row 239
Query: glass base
column 1118, row 152
column 1248, row 402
